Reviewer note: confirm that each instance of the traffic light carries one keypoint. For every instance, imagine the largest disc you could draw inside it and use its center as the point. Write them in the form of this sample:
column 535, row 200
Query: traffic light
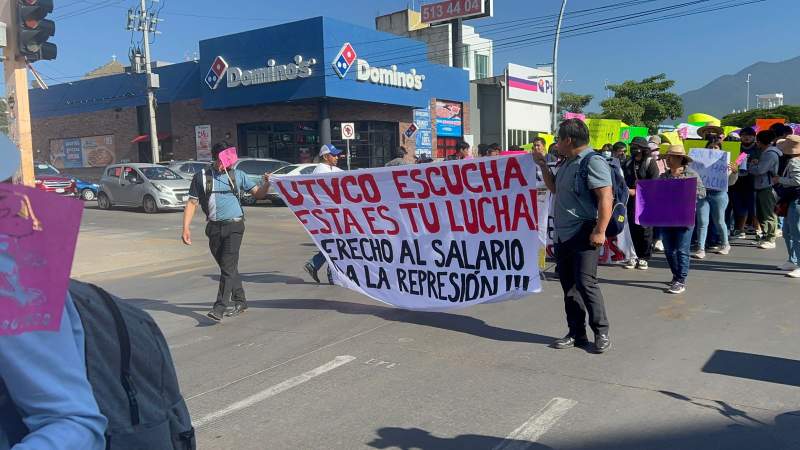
column 35, row 30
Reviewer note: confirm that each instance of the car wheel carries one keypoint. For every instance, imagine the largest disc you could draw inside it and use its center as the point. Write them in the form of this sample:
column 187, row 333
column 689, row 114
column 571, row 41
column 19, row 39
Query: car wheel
column 87, row 194
column 150, row 205
column 103, row 202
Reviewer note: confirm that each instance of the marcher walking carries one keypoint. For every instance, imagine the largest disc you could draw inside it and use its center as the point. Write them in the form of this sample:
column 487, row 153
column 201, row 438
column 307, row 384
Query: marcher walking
column 743, row 193
column 711, row 209
column 678, row 240
column 580, row 217
column 640, row 166
column 790, row 187
column 219, row 191
column 329, row 156
column 763, row 168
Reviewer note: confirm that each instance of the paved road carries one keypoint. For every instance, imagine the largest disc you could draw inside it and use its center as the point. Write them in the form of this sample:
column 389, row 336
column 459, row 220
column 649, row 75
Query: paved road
column 318, row 367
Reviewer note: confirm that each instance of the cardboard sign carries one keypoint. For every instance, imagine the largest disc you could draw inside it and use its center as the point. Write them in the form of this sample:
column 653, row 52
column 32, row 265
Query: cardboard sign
column 38, row 233
column 764, row 124
column 431, row 237
column 666, row 203
column 712, row 166
column 603, row 131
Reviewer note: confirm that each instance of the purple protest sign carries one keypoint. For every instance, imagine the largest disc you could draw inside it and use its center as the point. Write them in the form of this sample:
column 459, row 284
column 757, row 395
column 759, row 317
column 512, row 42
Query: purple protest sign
column 38, row 233
column 666, row 203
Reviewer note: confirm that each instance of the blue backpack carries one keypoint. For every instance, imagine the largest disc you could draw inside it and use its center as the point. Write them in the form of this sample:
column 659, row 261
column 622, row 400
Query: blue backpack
column 619, row 205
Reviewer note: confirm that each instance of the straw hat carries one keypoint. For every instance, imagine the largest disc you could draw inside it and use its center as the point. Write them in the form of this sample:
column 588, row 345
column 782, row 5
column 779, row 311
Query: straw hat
column 9, row 158
column 677, row 150
column 703, row 131
column 790, row 146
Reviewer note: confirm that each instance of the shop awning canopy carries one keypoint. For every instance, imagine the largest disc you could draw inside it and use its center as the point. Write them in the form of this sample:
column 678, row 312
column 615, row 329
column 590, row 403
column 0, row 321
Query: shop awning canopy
column 146, row 138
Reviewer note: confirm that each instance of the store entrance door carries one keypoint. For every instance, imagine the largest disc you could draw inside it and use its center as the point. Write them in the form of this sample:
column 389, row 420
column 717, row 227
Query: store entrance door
column 293, row 142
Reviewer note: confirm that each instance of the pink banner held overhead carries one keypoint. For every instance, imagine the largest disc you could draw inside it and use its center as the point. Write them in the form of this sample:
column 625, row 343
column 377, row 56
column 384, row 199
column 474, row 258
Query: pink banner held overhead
column 38, row 233
column 571, row 115
column 666, row 203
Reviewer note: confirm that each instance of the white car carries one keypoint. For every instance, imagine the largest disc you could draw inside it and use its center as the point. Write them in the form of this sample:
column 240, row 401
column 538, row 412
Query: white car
column 293, row 169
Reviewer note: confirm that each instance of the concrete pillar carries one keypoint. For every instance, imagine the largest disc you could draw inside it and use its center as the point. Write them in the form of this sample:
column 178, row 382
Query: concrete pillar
column 324, row 123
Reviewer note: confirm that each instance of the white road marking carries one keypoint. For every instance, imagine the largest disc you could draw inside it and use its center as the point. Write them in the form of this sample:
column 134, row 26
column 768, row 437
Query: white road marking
column 274, row 390
column 529, row 432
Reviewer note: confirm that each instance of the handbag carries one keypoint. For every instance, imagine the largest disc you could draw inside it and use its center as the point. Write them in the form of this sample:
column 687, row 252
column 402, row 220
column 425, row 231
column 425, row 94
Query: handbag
column 782, row 208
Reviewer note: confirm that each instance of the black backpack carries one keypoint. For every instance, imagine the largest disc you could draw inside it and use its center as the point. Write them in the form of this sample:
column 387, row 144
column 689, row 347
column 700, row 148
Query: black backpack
column 129, row 366
column 619, row 206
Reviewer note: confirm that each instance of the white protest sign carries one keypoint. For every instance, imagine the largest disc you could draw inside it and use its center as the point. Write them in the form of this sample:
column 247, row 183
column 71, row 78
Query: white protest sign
column 712, row 166
column 427, row 237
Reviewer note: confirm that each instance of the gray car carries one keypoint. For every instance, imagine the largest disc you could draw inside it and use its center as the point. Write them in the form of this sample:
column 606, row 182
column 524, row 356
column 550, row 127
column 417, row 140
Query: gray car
column 255, row 168
column 150, row 186
column 186, row 169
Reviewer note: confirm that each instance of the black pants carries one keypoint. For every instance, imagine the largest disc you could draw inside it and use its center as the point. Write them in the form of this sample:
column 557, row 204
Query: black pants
column 642, row 236
column 225, row 240
column 576, row 262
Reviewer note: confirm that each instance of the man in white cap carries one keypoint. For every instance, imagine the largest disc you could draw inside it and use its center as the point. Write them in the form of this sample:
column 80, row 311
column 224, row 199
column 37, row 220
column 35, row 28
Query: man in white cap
column 329, row 159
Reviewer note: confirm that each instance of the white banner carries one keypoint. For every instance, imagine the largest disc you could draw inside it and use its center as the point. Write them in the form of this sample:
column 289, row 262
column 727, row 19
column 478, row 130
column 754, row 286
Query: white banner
column 426, row 237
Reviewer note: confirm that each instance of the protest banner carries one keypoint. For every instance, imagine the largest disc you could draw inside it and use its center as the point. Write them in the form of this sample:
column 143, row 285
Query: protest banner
column 38, row 233
column 603, row 131
column 712, row 166
column 427, row 237
column 666, row 203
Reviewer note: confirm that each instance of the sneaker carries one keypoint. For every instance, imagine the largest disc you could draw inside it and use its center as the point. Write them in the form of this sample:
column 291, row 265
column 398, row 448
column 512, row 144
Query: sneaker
column 787, row 266
column 726, row 250
column 216, row 316
column 739, row 234
column 759, row 237
column 237, row 310
column 779, row 233
column 700, row 254
column 659, row 246
column 794, row 274
column 677, row 288
column 767, row 245
column 714, row 248
column 311, row 271
column 631, row 263
column 642, row 265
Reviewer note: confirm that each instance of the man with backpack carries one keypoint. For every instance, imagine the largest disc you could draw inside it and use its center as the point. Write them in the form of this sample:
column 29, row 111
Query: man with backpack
column 219, row 192
column 763, row 168
column 583, row 207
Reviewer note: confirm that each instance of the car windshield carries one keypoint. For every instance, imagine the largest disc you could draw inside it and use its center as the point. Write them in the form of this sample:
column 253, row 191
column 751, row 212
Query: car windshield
column 45, row 169
column 284, row 170
column 159, row 174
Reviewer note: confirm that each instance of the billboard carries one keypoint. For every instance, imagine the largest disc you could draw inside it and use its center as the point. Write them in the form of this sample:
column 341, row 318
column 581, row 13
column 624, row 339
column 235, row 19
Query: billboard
column 90, row 151
column 424, row 137
column 456, row 9
column 202, row 139
column 529, row 84
column 448, row 119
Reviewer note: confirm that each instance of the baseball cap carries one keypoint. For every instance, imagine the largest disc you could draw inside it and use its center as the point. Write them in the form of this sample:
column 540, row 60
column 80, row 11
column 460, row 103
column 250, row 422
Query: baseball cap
column 9, row 158
column 329, row 149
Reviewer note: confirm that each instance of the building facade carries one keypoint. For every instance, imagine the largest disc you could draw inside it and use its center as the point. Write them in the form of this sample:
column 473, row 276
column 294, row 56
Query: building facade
column 277, row 92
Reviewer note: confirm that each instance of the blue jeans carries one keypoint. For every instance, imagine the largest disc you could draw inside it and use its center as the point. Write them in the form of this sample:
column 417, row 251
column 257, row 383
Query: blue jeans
column 791, row 231
column 677, row 245
column 712, row 210
column 317, row 261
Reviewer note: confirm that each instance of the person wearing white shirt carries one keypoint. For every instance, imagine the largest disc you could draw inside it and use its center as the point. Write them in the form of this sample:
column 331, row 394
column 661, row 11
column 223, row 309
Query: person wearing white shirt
column 330, row 160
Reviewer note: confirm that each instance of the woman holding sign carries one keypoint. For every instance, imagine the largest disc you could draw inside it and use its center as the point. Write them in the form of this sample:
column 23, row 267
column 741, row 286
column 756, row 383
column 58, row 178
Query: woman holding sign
column 711, row 209
column 789, row 188
column 678, row 240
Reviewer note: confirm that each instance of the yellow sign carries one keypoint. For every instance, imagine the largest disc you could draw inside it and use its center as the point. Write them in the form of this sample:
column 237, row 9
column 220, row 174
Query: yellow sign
column 603, row 131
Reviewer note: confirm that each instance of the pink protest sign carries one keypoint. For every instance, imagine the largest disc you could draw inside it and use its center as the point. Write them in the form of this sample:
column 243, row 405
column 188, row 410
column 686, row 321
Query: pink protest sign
column 228, row 157
column 38, row 233
column 742, row 158
column 572, row 115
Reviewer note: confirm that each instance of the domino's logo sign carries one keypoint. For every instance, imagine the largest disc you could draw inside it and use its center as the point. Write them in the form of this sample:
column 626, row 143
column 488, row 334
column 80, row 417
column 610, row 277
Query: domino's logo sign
column 216, row 73
column 344, row 60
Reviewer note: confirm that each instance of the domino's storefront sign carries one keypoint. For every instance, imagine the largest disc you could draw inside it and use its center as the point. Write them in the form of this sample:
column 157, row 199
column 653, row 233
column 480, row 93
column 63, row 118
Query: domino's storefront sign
column 390, row 77
column 272, row 73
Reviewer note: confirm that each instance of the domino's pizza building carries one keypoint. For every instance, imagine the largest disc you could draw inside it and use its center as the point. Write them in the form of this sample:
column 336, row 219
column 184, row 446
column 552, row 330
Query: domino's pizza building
column 276, row 92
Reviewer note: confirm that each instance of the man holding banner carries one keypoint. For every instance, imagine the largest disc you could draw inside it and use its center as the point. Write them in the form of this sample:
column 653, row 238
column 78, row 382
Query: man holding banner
column 580, row 218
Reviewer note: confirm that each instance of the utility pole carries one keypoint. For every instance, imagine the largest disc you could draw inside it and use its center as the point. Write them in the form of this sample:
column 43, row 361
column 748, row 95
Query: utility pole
column 748, row 92
column 555, row 66
column 146, row 23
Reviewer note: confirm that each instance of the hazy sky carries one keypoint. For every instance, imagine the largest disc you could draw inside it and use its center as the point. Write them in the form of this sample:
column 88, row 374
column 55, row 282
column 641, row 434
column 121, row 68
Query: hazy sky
column 693, row 49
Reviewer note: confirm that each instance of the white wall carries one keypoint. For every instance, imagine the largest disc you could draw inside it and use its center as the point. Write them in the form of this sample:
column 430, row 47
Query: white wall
column 527, row 116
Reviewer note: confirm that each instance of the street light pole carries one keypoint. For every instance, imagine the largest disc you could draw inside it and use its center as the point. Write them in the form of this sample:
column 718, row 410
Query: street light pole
column 151, row 84
column 555, row 66
column 748, row 92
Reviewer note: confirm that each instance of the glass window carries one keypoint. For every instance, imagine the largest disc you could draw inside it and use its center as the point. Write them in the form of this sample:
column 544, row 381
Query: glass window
column 285, row 170
column 308, row 170
column 465, row 54
column 482, row 66
column 256, row 167
column 114, row 172
column 45, row 169
column 159, row 174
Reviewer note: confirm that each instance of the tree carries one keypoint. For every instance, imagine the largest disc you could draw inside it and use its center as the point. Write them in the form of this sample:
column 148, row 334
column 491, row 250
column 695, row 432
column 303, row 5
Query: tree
column 643, row 103
column 572, row 102
column 748, row 119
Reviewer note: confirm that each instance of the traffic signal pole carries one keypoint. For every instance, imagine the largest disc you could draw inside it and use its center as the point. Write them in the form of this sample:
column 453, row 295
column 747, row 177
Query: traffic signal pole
column 16, row 79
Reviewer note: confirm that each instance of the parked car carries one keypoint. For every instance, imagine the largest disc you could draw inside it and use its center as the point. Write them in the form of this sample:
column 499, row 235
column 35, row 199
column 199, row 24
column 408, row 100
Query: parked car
column 150, row 186
column 87, row 191
column 287, row 171
column 255, row 169
column 186, row 169
column 49, row 179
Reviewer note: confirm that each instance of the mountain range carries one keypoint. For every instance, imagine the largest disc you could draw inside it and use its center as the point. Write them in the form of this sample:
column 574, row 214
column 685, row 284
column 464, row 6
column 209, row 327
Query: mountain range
column 729, row 92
